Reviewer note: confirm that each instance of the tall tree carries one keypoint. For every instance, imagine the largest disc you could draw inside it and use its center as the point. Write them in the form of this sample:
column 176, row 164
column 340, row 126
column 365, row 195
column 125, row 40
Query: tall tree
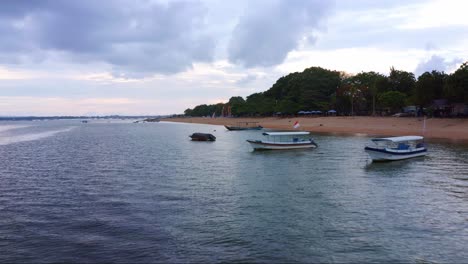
column 237, row 105
column 429, row 87
column 402, row 81
column 257, row 104
column 353, row 89
column 188, row 112
column 456, row 88
column 393, row 99
column 373, row 83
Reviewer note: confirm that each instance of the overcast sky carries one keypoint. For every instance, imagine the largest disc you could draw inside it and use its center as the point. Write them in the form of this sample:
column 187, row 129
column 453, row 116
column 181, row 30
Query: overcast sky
column 87, row 57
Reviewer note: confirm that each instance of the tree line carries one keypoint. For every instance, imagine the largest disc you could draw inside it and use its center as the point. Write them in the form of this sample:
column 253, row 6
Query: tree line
column 366, row 93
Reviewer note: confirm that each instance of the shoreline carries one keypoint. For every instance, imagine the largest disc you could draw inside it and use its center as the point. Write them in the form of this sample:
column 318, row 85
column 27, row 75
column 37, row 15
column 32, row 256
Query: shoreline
column 436, row 128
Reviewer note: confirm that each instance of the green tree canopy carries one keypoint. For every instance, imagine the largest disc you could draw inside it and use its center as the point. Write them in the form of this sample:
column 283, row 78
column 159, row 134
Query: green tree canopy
column 257, row 104
column 238, row 105
column 309, row 90
column 402, row 81
column 456, row 88
column 429, row 87
column 393, row 99
column 316, row 88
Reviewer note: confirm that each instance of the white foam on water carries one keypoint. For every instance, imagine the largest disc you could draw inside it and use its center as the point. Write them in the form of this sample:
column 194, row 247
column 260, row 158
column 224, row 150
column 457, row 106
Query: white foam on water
column 5, row 140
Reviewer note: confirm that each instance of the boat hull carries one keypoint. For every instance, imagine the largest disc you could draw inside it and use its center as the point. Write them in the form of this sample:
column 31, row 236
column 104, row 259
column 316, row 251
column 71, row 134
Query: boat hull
column 234, row 128
column 262, row 145
column 378, row 154
column 202, row 137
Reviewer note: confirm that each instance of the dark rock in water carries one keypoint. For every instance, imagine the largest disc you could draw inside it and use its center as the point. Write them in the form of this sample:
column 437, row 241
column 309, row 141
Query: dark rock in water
column 202, row 137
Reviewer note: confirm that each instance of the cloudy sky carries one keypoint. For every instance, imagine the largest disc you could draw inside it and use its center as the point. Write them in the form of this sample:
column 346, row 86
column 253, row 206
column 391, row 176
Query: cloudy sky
column 88, row 57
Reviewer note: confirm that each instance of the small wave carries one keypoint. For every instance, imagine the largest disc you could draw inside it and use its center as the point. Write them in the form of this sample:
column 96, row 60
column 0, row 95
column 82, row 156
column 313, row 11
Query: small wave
column 30, row 137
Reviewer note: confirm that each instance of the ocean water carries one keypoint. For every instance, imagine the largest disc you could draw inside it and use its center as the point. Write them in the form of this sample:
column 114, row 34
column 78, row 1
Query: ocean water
column 140, row 193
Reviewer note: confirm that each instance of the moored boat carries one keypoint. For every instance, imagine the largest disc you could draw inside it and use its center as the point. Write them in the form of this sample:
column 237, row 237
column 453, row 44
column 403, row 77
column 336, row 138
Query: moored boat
column 396, row 148
column 244, row 126
column 202, row 137
column 284, row 140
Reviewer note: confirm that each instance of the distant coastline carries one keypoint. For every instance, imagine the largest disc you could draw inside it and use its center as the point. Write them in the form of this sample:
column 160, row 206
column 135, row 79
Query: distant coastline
column 43, row 118
column 436, row 128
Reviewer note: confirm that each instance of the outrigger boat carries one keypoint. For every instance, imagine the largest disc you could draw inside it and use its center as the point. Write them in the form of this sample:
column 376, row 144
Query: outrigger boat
column 284, row 140
column 396, row 148
column 244, row 126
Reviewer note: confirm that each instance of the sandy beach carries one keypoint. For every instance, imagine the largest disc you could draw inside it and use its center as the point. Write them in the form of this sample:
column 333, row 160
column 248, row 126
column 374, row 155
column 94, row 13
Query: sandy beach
column 454, row 129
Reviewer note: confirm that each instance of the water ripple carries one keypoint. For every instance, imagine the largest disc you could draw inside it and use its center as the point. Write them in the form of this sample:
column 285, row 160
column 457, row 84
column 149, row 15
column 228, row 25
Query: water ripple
column 132, row 193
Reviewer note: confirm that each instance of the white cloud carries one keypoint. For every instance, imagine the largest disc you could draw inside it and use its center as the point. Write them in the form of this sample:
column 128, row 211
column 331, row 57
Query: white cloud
column 352, row 60
column 437, row 13
column 437, row 63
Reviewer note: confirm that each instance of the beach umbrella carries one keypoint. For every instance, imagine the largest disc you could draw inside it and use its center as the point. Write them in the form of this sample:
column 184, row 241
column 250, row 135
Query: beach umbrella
column 331, row 111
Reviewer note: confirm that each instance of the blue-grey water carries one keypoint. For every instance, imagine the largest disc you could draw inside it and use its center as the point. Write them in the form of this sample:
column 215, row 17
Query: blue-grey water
column 132, row 193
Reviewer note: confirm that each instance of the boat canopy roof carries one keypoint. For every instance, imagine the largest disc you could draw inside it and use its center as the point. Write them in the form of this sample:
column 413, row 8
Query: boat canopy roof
column 299, row 133
column 398, row 139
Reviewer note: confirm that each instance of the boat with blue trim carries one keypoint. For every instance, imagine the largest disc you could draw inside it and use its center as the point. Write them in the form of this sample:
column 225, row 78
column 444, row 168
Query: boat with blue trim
column 396, row 148
column 284, row 140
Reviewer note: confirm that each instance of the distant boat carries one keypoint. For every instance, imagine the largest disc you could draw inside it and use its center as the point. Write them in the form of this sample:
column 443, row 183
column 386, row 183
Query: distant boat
column 84, row 121
column 284, row 140
column 244, row 126
column 396, row 148
column 202, row 137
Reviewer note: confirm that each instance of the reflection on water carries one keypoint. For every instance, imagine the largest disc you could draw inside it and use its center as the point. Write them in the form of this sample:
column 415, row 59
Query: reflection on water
column 108, row 192
column 9, row 139
column 397, row 165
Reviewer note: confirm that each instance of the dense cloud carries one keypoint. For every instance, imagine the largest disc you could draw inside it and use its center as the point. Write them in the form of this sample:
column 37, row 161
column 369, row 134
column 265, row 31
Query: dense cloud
column 265, row 35
column 142, row 37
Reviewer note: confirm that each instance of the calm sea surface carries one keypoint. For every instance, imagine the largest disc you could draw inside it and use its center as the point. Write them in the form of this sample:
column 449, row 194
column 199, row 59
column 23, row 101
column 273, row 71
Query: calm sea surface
column 124, row 192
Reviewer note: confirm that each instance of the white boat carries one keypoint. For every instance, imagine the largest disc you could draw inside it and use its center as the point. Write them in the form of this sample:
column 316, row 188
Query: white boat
column 284, row 140
column 396, row 148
